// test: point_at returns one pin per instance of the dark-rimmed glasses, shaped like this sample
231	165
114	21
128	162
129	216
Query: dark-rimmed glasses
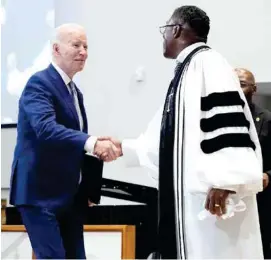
162	29
246	84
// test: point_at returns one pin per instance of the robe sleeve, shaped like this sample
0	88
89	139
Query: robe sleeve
144	151
230	155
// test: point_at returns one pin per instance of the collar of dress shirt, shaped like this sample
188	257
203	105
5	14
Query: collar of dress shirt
63	75
185	52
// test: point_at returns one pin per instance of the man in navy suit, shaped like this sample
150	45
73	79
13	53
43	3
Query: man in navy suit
51	183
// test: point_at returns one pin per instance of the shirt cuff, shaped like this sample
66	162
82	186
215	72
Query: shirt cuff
90	144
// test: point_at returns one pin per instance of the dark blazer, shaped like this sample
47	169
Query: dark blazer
49	153
262	120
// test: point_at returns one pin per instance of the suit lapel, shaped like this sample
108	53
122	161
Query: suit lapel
64	93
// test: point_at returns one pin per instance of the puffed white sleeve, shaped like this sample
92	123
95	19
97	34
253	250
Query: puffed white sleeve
230	155
144	150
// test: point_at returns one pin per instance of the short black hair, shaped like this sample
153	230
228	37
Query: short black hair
196	18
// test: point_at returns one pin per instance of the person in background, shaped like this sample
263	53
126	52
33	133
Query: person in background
262	121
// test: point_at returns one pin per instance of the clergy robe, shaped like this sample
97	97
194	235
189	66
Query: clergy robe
215	145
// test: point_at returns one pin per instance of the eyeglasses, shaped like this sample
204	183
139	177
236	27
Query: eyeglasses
163	28
245	84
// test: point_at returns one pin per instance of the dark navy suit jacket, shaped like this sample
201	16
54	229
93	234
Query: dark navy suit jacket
49	153
262	120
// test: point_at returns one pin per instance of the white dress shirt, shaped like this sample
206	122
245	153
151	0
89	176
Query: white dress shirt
91	141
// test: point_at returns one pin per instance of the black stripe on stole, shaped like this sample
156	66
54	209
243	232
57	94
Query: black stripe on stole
236	119
226	140
218	99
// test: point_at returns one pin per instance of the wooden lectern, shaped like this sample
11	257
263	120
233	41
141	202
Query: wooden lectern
118	241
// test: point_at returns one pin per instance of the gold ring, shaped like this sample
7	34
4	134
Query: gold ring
217	205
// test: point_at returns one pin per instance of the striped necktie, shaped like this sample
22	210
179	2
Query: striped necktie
74	95
72	90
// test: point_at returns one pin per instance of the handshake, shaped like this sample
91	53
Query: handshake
107	148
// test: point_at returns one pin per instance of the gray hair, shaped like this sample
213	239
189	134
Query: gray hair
62	29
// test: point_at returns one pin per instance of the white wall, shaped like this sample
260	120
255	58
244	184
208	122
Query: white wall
124	35
8	141
240	30
115	102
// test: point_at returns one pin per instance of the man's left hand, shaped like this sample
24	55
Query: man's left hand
216	201
265	180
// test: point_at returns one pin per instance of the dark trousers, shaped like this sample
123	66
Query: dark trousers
54	234
264	202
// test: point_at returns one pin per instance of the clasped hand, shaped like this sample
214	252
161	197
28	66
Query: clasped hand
216	201
107	148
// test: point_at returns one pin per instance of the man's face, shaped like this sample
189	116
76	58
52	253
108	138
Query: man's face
247	83
169	40
72	53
